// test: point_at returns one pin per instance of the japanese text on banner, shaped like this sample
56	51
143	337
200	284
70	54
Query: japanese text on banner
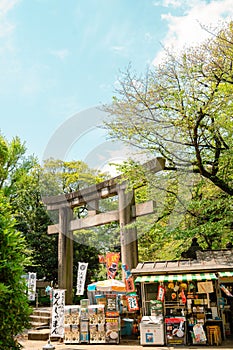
32	286
57	328
81	277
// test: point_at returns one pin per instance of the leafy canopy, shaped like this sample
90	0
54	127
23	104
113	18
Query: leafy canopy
182	110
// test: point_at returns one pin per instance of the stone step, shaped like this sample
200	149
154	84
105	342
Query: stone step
39	325
40	319
42	313
42	334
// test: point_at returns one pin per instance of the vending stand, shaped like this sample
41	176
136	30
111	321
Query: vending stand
99	319
196	296
151	327
94	324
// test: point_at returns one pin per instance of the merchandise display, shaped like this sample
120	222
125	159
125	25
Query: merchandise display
175	330
72	324
84	321
97	323
192	309
112	319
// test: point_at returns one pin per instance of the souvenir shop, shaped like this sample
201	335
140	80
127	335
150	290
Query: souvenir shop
103	322
107	315
186	301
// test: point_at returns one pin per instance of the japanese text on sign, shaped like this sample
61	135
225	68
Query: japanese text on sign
81	277
57	329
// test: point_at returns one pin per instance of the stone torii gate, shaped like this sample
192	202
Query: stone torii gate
90	197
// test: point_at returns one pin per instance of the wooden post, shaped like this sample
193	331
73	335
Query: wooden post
65	253
128	236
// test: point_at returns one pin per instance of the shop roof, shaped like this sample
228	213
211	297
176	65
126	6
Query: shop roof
207	260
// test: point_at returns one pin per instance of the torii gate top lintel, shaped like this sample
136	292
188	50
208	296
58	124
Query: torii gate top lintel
104	189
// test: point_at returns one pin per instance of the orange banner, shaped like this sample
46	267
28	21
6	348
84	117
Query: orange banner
112	260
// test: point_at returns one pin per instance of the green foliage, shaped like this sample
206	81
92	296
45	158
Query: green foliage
186	206
14	307
182	110
60	177
12	163
32	220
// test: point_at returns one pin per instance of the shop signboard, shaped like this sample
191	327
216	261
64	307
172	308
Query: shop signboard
112	330
132	303
58	313
205	287
175	330
112	260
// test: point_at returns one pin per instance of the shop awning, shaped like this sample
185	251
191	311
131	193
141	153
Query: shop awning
177	278
225	274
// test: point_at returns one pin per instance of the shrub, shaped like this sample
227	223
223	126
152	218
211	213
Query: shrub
14	306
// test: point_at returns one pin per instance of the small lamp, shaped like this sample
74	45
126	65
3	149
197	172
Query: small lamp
48	346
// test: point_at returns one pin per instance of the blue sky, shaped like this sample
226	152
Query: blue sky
59	58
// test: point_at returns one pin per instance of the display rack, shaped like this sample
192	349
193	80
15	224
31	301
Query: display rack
72	324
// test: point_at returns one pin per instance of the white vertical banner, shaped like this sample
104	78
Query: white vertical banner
32	286
57	328
81	277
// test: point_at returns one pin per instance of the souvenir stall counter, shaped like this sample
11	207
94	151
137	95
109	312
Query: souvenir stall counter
189	302
94	324
103	317
127	303
197	305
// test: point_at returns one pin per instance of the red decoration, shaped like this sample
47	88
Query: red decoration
101	259
132	302
112	260
161	293
183	297
129	283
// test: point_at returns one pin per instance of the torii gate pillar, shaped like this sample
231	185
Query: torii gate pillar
65	253
128	236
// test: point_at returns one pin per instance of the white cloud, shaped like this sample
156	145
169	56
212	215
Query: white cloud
187	30
5	26
175	3
172	3
7	5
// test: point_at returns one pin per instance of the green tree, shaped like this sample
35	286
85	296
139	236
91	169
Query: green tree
59	177
12	163
182	110
33	220
14	308
19	179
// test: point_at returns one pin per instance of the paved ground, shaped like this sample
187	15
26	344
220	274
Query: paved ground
124	345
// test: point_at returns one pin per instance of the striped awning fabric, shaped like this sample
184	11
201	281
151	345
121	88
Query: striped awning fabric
178	278
225	274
